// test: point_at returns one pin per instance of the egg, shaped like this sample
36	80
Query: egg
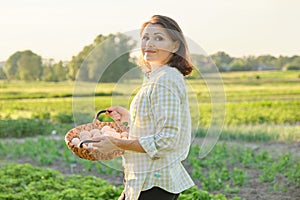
116	135
94	131
107	133
89	146
75	141
84	135
113	130
105	128
110	133
96	135
124	135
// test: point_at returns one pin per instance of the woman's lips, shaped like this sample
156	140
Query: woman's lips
150	51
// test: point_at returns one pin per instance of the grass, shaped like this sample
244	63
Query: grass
257	133
257	110
271	100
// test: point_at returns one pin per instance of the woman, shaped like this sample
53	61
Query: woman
159	117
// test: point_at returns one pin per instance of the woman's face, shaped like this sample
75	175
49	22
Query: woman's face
157	46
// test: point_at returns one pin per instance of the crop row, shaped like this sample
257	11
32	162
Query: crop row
30	182
226	169
19	128
237	113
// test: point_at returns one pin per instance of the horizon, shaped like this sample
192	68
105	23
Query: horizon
56	61
60	30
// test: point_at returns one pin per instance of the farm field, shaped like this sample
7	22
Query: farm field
257	155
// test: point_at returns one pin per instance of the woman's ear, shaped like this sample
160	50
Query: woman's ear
176	46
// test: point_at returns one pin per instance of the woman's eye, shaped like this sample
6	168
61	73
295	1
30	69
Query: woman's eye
145	38
158	38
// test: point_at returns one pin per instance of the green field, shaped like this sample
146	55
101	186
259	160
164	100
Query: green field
258	146
273	100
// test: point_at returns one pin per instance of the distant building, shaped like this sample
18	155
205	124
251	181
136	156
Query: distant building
265	68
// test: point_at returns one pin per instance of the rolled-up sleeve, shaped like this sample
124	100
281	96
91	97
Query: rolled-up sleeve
165	108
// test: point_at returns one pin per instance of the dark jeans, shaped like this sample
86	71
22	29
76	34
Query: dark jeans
155	193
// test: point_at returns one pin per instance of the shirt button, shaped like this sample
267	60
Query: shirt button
157	175
155	158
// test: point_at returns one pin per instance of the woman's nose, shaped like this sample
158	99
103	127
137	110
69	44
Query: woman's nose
149	43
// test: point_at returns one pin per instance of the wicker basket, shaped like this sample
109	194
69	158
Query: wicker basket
92	153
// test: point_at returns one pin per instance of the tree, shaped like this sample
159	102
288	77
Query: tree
2	74
106	60
24	65
267	60
60	72
239	64
11	67
222	60
293	64
203	63
251	63
48	74
291	67
77	61
29	66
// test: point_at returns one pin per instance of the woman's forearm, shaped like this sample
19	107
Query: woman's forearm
131	145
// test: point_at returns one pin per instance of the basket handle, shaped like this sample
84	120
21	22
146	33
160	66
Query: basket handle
86	141
100	112
118	123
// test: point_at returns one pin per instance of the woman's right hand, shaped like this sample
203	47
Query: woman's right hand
118	113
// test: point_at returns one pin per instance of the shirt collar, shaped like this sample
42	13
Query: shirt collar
150	74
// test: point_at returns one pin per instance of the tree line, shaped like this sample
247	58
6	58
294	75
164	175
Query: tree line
253	63
108	58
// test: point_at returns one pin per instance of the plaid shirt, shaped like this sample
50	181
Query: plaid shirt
160	120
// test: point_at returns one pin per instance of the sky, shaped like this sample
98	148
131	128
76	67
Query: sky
59	29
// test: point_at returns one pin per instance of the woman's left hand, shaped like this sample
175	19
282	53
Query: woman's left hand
106	144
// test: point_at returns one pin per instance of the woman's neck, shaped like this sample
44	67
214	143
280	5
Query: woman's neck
154	67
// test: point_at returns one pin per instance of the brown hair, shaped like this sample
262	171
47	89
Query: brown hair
181	58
